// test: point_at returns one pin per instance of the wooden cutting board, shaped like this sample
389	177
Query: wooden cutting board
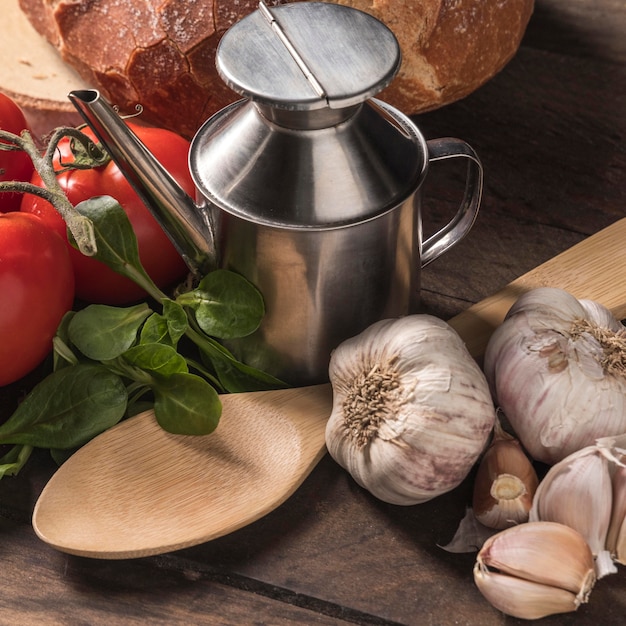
592	270
33	73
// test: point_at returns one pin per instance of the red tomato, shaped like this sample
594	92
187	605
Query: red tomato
14	165
36	290
95	282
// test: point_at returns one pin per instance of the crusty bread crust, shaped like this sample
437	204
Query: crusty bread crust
161	53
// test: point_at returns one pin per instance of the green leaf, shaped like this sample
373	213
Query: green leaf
226	305
185	404
158	358
177	321
116	240
155	330
103	332
235	376
167	328
60	456
62	355
67	408
13	461
63	328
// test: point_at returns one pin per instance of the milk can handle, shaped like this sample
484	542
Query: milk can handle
462	222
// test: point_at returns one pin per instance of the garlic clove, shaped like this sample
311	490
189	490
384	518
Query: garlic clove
616	536
577	492
535	569
508	504
505	483
619	554
523	598
544	552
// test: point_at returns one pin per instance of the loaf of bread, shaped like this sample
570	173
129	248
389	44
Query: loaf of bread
161	53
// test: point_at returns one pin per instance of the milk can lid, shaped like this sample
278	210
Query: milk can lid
308	55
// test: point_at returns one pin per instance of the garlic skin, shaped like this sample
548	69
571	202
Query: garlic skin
578	492
557	368
469	536
412	410
505	483
535	569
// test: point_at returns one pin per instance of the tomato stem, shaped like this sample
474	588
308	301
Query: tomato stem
80	226
24	187
87	154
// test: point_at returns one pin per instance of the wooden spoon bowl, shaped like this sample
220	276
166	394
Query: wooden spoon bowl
137	489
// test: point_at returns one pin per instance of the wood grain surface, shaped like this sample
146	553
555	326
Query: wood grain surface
550	130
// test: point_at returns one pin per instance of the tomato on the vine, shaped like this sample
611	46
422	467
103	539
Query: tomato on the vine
36	290
95	282
14	165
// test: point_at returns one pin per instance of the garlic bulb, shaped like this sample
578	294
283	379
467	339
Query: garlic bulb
411	409
557	368
505	483
535	569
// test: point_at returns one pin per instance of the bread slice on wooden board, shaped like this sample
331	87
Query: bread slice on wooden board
33	73
161	53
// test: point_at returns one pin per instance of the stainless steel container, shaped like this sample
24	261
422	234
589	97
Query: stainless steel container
309	186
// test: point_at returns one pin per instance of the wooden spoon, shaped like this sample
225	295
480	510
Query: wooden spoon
136	490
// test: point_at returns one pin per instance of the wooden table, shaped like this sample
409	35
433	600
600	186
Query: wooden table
550	130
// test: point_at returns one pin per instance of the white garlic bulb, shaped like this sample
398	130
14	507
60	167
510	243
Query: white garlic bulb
557	369
412	410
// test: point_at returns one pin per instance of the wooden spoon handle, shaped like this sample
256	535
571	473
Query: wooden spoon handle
593	269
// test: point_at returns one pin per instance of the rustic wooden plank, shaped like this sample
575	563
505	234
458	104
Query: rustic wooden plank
41	586
580	28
